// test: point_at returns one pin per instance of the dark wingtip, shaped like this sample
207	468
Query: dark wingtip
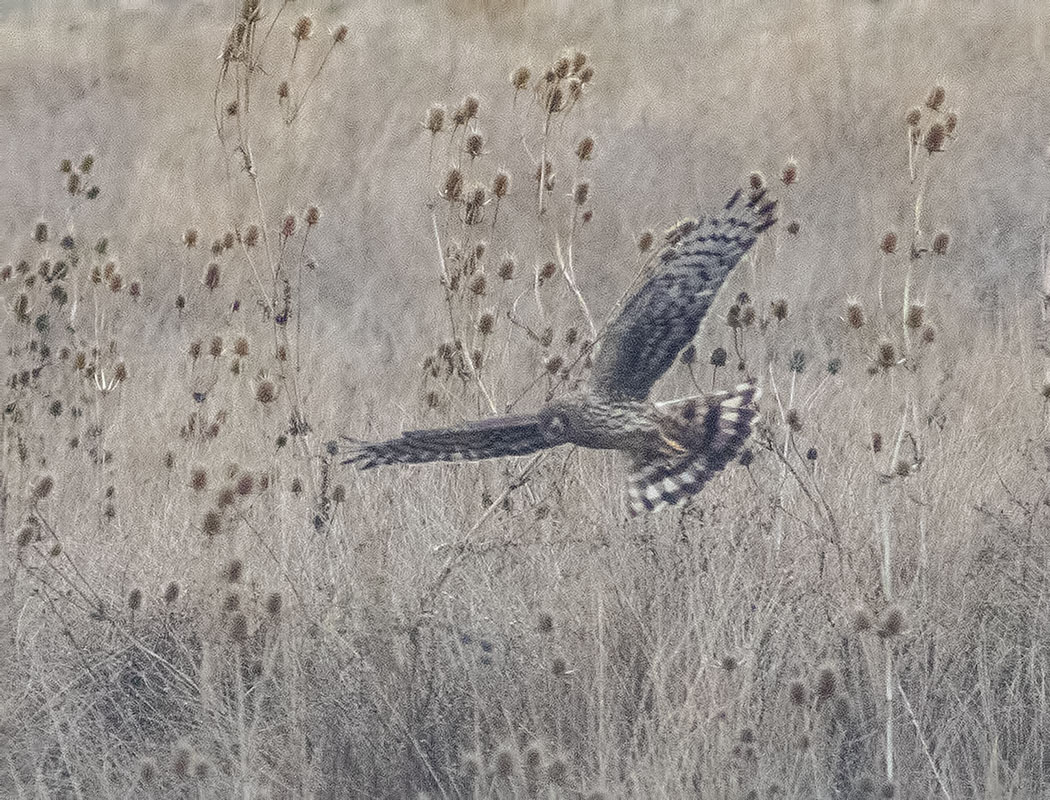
733	200
769	223
768	207
756	198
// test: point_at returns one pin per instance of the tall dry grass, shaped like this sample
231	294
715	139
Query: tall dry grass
199	600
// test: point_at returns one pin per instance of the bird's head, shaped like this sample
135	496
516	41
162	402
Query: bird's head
558	421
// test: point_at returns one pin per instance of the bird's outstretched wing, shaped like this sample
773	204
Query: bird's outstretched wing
704	435
488	438
663	316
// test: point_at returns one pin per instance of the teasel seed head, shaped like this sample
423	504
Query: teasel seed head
876	442
135	599
288	226
486	323
211	524
519	79
888	243
547	271
951	120
915	315
274	601
789	174
453	186
913	117
231	602
478	286
558	666
340	33
794	227
553	364
779	309
892	623
581	192
855	314
933	141
719	356
861	620
434	121
798	693
240	346
886	354
234	571
302	29
313	216
251	236
238	629
504	763
501	183
585	148
935	99
729	663
555	100
941	242
194	351
757	181
182	760
211	277
283	90
265	392
475	145
215	347
171	593
245	484
471	105
793	419
826	682
929	333
645	241
43	486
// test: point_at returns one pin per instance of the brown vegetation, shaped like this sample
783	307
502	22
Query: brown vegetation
396	217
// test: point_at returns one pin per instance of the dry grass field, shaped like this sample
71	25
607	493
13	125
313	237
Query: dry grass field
231	234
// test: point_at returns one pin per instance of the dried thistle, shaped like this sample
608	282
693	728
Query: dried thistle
434	121
888	243
585	148
941	242
933	141
935	99
789	174
519	79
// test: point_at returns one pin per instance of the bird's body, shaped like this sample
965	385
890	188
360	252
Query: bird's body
675	447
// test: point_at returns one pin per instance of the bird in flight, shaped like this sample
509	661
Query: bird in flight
675	447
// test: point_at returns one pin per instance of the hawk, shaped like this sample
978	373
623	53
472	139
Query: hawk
675	447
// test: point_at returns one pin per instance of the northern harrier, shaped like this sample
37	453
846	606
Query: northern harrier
675	447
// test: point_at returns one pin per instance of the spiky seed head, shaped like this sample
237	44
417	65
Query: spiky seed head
929	333
729	663
43	486
283	91
719	357
73	183
789	174
861	619
288	226
558	666
434	121
313	216
501	184
135	599
171	593
251	236
215	347
886	354
779	309
519	79
757	181
575	86
645	241
562	66
547	271
478	286
182	760
581	192
65	165
933	141
793	418
475	145
798	693
912	118
545	623
245	484
914	317
941	242
504	763
273	604
211	277
888	243
147	771
586	75
340	33
302	29
855	314
555	101
471	105
571	335
892	623
826	682
486	323
240	346
266	392
40	233
234	570
453	187
199	479
794	227
585	148
231	602
935	99
339	494
297	486
238	629
747	735
211	524
951	120
506	268
747	315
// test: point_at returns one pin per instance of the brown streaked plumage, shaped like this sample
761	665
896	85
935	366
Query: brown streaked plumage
675	447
